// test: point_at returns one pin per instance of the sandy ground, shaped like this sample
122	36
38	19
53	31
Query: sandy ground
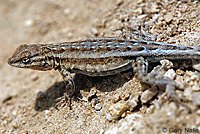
27	99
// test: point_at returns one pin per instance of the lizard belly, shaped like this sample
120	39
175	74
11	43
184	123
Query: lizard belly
103	69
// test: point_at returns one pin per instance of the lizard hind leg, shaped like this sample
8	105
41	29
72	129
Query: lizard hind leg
70	88
140	71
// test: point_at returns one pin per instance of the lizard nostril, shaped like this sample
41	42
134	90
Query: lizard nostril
10	61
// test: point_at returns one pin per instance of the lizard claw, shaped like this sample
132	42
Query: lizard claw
62	101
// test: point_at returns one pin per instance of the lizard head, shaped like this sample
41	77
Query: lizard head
31	56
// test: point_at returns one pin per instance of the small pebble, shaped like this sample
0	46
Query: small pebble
15	125
168	18
198	112
112	131
116	98
98	107
28	22
148	94
34	77
170	73
124	115
117	110
140	17
150	109
196	98
94	101
133	102
67	11
196	66
47	112
125	97
92	94
180	72
24	132
119	2
154	8
94	31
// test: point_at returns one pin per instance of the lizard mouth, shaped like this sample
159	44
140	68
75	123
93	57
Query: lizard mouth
13	63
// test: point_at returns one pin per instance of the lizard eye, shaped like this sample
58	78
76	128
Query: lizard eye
25	60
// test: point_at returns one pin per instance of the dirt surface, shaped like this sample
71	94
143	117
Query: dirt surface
109	104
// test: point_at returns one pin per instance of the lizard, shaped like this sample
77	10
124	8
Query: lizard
103	57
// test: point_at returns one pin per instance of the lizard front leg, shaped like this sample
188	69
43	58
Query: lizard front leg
140	71
70	87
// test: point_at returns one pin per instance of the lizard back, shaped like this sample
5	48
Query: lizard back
98	56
